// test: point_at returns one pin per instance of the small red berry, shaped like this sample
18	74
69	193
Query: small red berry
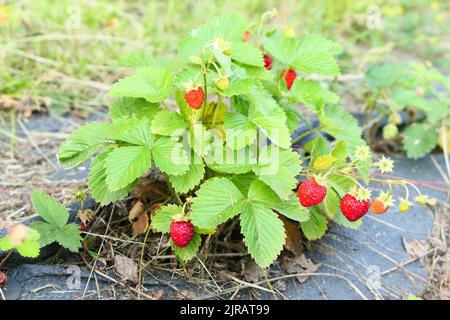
82	227
247	35
289	78
181	233
195	98
268	62
352	208
379	206
311	193
3	279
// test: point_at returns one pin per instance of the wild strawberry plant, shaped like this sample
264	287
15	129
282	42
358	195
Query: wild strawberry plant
218	122
419	92
54	227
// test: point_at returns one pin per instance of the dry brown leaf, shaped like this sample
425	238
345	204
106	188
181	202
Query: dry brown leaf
416	248
251	271
300	264
137	210
293	237
140	225
86	215
126	268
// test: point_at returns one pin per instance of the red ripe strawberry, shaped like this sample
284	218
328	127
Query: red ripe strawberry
181	233
3	279
289	78
352	208
195	98
379	206
268	62
311	193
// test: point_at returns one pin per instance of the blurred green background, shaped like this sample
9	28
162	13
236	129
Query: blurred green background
59	54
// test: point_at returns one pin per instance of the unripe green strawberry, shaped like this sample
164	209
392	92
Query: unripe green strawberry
390	131
222	83
395	118
404	206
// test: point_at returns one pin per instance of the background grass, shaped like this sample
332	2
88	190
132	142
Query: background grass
58	54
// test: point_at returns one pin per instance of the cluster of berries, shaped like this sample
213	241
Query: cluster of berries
195	95
311	193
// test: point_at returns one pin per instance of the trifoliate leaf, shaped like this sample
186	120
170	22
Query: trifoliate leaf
167	122
125	107
278	168
125	164
170	156
264	233
164	216
152	84
419	140
97	183
316	226
83	143
218	200
49	209
190	251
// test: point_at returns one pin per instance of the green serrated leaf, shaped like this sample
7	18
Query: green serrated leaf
152	84
264	233
218	200
97	183
125	107
229	27
339	218
316	226
262	194
246	53
311	94
241	132
278	168
420	139
167	122
331	203
125	164
187	181
134	131
83	143
170	156
164	216
49	209
69	237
